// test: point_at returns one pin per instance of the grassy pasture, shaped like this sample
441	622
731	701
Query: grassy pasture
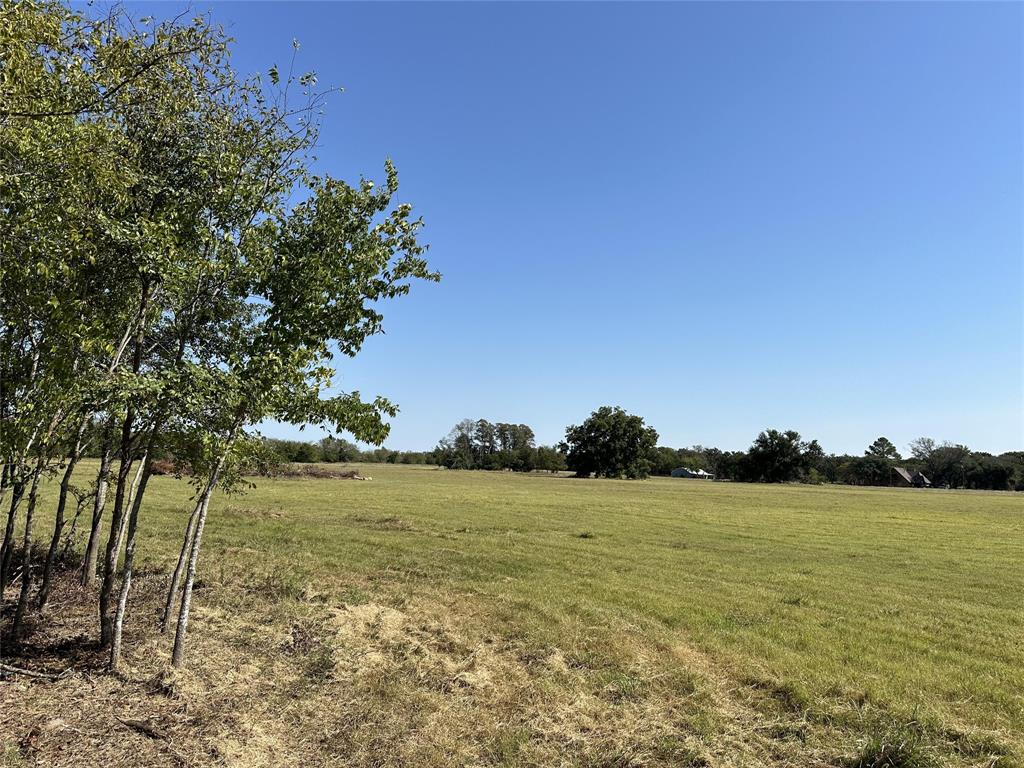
740	624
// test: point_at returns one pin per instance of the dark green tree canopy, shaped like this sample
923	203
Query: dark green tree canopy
610	443
883	448
779	457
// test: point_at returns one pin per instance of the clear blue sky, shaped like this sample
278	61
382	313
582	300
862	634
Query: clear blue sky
721	217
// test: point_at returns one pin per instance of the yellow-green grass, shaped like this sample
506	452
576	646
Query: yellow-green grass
833	599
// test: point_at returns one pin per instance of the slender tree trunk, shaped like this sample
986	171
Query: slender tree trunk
179	570
110	560
121	494
26	575
69	537
93	547
5	479
126	581
178	655
16	466
202	506
123	470
129	555
7	551
58	526
138	486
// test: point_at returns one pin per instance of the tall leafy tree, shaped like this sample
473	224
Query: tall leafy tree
950	464
610	443
776	456
883	448
921	448
316	275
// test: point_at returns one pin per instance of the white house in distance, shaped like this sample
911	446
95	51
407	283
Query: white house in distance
695	474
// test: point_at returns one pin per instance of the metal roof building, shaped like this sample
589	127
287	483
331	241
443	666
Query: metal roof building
696	474
906	478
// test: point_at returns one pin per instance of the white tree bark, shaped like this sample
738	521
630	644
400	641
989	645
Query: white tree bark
179	570
202	507
139	491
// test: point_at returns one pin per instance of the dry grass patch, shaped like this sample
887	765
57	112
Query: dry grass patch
295	677
307	682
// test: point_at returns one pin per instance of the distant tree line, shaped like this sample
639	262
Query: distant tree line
471	444
781	457
335	450
613	443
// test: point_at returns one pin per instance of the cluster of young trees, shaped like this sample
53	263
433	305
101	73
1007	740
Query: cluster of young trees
172	274
479	444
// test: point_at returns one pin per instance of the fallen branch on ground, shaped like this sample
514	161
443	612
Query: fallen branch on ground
7	669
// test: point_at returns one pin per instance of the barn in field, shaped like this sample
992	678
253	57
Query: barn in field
695	474
910	478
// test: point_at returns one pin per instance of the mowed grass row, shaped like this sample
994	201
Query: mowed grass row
912	600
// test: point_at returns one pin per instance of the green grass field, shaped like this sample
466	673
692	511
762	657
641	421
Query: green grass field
705	623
